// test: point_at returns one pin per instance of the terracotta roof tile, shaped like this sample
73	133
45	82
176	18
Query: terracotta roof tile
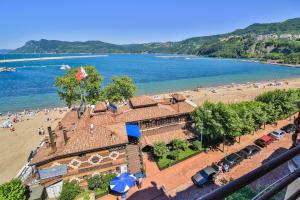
167	136
101	106
142	101
178	97
109	127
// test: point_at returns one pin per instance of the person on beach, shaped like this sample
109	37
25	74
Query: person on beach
40	132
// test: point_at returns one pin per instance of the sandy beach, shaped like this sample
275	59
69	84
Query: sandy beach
16	146
237	92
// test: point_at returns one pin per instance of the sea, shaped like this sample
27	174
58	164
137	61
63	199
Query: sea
31	86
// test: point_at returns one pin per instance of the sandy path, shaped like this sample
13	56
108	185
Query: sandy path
16	146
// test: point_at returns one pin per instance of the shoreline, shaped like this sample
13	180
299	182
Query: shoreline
16	145
49	58
194	92
161	55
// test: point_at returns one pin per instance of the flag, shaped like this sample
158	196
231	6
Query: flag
81	74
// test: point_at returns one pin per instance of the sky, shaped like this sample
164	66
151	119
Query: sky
133	21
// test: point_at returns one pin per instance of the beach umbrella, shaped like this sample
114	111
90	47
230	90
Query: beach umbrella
122	183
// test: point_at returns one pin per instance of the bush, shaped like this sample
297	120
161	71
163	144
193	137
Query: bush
100	181
196	145
174	155
12	190
160	149
95	182
70	190
178	144
243	194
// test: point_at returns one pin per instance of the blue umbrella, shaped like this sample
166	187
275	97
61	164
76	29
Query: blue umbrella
122	183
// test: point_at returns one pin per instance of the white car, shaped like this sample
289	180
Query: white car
277	134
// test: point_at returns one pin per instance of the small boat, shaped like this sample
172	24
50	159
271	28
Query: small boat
8	69
65	67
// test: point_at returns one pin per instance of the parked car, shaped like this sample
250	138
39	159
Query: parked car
278	134
230	161
206	175
249	151
264	141
290	128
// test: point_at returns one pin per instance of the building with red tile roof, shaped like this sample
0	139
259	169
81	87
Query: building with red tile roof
97	141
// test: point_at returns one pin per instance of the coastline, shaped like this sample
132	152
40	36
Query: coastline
50	58
240	92
15	146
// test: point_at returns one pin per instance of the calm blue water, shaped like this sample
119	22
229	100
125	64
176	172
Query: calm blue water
32	85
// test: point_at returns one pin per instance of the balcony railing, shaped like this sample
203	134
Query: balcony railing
233	186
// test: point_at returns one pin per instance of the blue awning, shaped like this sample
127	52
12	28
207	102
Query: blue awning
133	130
53	172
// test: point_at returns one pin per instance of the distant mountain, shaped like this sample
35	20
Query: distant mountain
291	26
256	40
5	50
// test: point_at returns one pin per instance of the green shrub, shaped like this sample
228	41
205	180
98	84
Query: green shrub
106	180
70	191
100	181
12	190
178	144
174	155
160	149
243	194
94	182
196	145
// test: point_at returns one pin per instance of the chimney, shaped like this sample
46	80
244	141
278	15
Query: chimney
65	136
51	137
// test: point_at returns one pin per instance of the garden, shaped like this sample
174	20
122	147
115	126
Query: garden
98	184
178	150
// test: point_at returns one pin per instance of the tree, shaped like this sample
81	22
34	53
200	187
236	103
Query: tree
178	144
13	190
70	191
121	88
69	90
196	145
284	101
160	149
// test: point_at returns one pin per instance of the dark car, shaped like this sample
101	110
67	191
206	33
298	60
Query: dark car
249	151
230	161
289	128
206	175
264	141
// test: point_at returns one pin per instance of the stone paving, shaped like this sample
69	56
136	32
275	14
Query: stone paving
175	182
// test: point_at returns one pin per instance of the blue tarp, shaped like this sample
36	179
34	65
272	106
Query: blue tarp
133	130
53	172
